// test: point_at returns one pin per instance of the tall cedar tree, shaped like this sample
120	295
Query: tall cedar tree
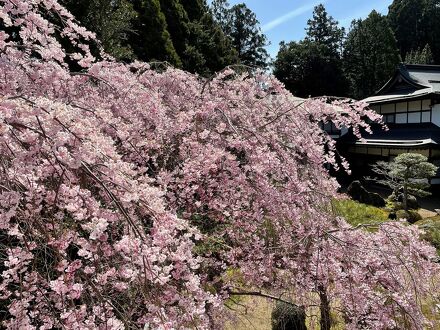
313	66
181	32
177	23
420	56
110	20
432	19
152	41
242	26
415	24
324	30
197	38
370	55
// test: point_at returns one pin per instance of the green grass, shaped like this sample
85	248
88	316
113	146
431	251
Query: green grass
431	226
357	213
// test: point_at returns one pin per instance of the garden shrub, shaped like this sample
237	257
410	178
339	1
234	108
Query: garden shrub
287	316
411	216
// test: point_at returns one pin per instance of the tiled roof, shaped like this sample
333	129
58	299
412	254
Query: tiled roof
398	135
409	81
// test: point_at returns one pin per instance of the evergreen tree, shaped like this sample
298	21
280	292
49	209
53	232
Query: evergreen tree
177	23
431	20
420	56
314	66
406	19
152	41
242	26
408	173
415	24
109	19
370	55
195	9
324	30
207	49
306	70
181	32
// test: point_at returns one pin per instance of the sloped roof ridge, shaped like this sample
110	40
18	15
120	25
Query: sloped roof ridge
422	66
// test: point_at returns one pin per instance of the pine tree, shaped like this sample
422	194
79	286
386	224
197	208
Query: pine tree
408	173
431	20
370	55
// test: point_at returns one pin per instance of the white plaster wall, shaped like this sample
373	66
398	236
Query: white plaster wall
436	114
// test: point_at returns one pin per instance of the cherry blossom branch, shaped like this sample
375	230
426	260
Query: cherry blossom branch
260	294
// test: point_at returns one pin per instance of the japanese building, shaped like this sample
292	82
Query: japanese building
410	105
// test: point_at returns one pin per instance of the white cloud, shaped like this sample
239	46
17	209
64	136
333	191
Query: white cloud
292	14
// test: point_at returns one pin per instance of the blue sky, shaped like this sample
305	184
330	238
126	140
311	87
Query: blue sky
286	19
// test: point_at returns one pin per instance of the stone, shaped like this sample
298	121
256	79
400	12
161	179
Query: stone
412	202
358	193
376	200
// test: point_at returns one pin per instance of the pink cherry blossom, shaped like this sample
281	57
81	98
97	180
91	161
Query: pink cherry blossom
128	197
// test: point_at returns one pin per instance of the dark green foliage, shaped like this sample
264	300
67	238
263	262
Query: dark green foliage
181	32
324	30
370	55
177	23
208	49
313	66
408	174
306	70
195	9
198	40
241	25
111	21
420	56
152	41
406	19
415	24
432	29
357	192
288	317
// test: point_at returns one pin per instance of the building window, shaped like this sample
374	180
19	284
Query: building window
389	119
401	107
375	108
426	116
401	118
415	106
388	108
414	117
426	104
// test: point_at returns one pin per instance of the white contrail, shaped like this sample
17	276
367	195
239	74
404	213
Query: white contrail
294	13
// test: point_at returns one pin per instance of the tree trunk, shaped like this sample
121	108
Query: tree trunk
405	197
324	308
